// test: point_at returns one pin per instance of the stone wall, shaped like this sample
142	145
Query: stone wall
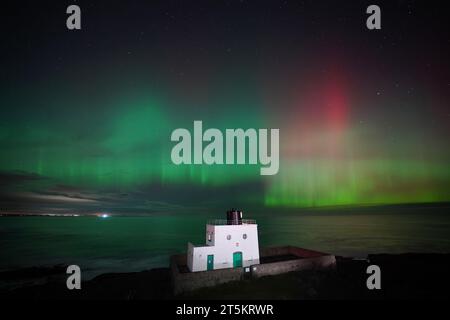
286	250
188	281
274	268
307	259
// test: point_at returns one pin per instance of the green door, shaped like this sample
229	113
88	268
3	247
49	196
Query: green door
210	262
237	259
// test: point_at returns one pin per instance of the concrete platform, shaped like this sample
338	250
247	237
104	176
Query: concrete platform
274	260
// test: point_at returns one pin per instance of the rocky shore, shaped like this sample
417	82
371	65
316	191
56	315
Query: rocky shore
403	276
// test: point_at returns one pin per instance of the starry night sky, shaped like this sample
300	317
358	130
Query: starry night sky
86	116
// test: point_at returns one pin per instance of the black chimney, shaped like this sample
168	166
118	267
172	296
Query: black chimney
234	216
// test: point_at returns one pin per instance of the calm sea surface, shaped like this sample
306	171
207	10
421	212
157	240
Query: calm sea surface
125	244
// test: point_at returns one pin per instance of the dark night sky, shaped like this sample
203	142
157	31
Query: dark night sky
86	115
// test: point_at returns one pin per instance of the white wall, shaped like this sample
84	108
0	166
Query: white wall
199	255
223	249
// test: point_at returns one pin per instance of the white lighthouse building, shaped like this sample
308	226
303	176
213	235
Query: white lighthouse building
230	243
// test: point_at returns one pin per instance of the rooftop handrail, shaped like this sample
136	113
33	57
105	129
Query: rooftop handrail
223	222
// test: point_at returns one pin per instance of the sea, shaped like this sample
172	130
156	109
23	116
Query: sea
135	243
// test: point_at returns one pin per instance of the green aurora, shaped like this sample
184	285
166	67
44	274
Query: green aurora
85	120
129	146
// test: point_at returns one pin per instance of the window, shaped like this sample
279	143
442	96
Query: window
228	237
244	236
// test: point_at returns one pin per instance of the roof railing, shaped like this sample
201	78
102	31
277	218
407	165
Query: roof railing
224	222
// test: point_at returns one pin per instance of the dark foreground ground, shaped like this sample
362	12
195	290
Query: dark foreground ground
406	276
